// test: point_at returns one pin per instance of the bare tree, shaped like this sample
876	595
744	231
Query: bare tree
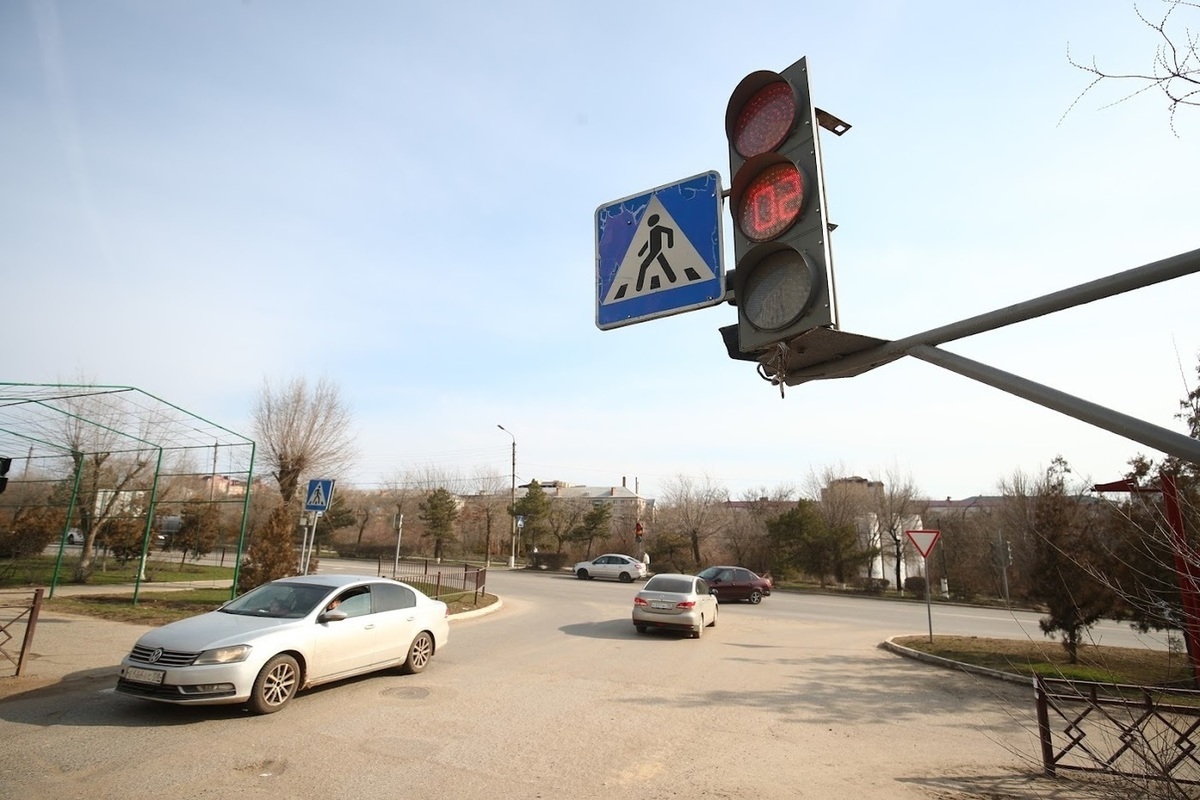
745	535
1175	70
565	518
694	507
898	505
847	503
485	523
301	431
113	467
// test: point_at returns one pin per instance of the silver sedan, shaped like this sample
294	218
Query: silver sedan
287	635
678	602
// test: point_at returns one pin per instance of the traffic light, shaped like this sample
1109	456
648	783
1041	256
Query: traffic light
783	279
5	463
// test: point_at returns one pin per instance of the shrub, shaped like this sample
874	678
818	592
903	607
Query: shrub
915	584
872	585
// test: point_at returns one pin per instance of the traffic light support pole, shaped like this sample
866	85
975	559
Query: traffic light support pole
856	363
922	346
1170	442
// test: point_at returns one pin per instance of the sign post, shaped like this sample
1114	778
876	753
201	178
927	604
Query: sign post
399	529
316	502
924	542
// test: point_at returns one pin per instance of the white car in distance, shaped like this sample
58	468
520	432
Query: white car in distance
615	566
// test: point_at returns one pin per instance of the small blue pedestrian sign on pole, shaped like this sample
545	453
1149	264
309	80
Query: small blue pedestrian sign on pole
659	252
320	494
520	521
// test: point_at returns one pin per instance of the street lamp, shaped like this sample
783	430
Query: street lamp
512	557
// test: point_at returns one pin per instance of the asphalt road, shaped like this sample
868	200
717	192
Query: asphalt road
555	695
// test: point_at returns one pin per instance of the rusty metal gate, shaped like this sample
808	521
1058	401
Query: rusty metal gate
1134	732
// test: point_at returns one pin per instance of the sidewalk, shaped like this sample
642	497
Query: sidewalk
71	649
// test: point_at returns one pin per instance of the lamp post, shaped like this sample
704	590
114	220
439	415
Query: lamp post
512	557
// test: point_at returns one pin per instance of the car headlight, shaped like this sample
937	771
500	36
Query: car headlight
224	655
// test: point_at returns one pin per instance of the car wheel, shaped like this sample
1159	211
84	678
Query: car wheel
626	577
418	654
640	628
275	685
582	575
713	624
755	597
698	631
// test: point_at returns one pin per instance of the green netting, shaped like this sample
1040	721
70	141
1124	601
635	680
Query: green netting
124	474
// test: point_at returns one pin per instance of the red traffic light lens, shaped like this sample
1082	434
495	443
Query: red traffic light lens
765	120
771	202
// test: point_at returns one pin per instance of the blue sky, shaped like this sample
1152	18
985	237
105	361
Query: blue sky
400	197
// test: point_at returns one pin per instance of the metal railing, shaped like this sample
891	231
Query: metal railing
1135	732
441	580
17	611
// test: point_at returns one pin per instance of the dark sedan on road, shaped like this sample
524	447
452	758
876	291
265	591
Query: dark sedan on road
736	583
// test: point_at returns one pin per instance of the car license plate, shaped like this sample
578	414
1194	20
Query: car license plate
661	604
139	675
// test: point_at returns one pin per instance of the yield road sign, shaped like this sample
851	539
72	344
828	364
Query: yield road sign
923	541
320	494
659	252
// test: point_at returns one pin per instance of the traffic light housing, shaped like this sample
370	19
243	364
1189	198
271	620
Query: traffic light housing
783	278
5	463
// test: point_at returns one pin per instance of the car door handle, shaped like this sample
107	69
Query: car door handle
368	626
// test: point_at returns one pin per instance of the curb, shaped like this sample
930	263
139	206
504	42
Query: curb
479	612
938	661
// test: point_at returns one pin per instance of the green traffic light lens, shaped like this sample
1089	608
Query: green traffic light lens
779	289
771	203
765	120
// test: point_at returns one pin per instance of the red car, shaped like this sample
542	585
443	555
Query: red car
736	583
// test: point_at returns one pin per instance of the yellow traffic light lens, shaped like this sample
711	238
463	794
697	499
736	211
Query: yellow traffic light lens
771	202
766	119
778	290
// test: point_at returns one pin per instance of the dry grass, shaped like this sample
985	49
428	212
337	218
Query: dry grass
1135	666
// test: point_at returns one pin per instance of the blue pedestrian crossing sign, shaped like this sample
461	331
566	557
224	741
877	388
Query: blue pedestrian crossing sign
320	494
659	252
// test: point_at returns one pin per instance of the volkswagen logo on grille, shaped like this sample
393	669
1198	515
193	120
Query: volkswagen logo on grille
155	655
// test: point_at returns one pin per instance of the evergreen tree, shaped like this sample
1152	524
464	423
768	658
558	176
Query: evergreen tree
1065	563
596	525
804	543
438	511
535	508
198	530
272	555
335	518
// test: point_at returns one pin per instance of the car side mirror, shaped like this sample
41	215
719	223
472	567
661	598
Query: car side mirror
332	615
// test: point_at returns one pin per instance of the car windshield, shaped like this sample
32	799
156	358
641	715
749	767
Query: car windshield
279	600
667	583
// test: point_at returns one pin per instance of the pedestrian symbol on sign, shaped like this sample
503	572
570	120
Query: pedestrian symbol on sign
655	264
320	494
